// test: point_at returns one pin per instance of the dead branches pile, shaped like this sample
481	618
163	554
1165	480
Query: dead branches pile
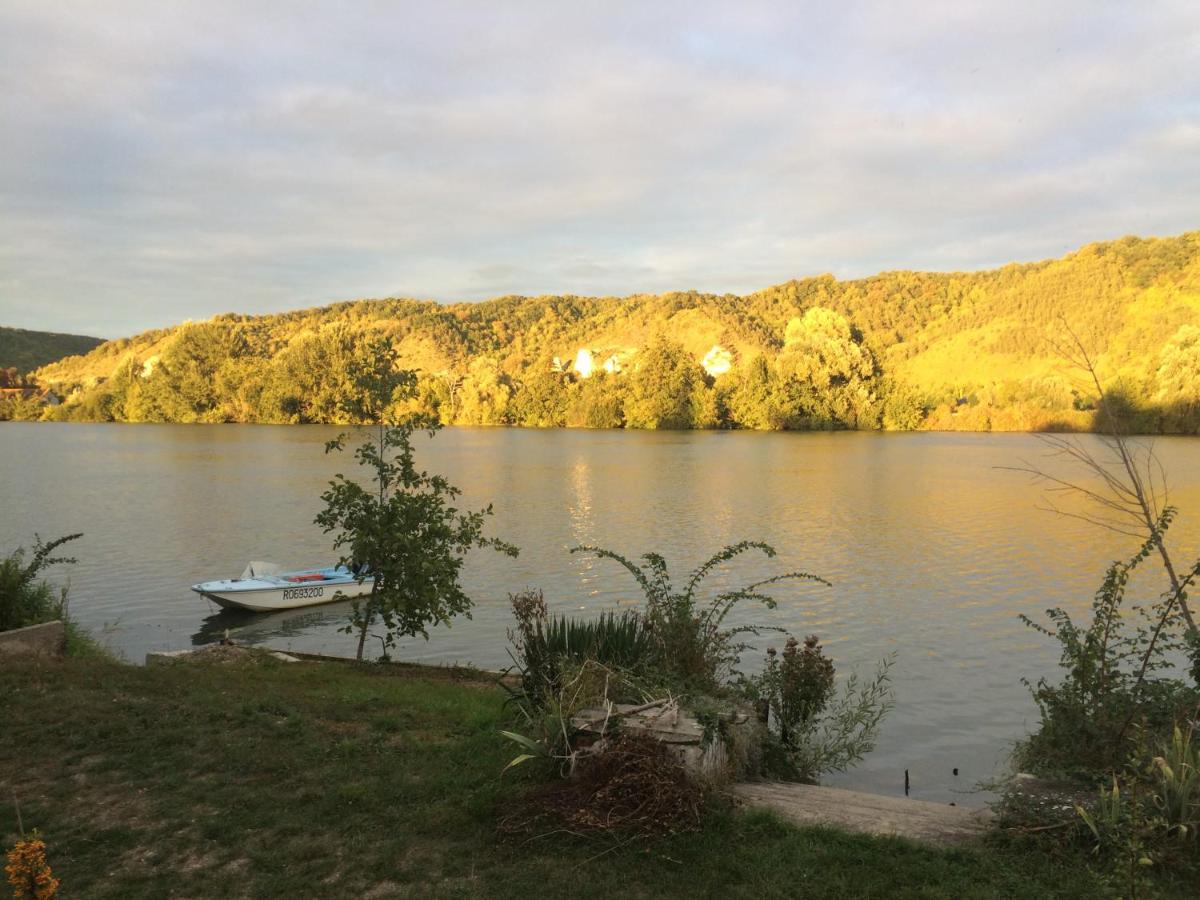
635	787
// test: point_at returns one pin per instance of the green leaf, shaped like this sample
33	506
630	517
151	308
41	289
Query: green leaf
523	741
516	761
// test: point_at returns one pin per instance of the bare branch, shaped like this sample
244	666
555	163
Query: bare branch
1132	491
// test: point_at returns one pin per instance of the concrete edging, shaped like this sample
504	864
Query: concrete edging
46	639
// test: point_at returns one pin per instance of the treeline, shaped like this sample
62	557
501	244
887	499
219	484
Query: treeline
28	350
823	376
897	350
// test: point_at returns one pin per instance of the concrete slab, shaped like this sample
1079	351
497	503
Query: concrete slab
919	820
49	639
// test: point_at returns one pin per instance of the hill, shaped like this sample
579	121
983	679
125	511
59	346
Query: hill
896	350
28	350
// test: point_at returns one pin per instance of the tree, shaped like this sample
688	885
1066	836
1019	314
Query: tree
1129	487
660	391
754	397
405	532
830	373
484	394
597	402
1178	375
541	400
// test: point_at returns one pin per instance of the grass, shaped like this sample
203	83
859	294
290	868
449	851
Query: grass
274	779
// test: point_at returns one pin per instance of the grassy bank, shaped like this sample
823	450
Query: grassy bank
275	779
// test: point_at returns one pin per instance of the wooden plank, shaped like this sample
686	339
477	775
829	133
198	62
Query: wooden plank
918	820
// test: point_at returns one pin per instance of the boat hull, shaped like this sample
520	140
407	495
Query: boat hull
256	596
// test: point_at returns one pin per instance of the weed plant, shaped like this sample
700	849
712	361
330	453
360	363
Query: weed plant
1119	669
25	599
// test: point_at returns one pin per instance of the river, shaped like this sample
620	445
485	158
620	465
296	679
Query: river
932	547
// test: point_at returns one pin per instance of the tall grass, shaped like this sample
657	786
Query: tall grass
543	644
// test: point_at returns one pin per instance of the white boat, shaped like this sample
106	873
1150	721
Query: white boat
263	587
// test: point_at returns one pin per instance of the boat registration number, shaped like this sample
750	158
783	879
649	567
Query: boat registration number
306	593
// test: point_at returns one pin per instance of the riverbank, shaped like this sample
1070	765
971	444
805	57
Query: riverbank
270	778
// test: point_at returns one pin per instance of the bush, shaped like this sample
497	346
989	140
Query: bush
25	600
809	732
678	647
796	686
689	646
1148	812
1117	674
543	646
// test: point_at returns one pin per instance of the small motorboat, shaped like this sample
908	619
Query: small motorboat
263	587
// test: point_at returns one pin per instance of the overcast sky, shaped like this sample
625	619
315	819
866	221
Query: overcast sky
163	161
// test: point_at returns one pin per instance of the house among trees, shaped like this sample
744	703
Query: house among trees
43	397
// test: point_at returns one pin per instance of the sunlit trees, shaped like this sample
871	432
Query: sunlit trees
833	353
754	398
597	402
662	387
484	394
830	374
1178	375
541	399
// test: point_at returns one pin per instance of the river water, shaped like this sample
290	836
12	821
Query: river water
933	549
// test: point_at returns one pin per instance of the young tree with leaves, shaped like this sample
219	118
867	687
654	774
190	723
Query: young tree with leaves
404	532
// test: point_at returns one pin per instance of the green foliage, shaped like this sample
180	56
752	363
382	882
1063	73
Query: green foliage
902	408
896	350
661	390
24	599
1178	374
544	646
796	684
542	400
690	645
812	730
1148	812
597	402
28	350
1116	672
411	810
405	531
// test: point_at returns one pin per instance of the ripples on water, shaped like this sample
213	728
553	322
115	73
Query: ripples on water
933	551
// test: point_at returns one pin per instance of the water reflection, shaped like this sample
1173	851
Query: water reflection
246	627
932	550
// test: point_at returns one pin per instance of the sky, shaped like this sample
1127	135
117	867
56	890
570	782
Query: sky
168	161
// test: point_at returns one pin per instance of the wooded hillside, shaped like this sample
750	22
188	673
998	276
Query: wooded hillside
896	350
27	350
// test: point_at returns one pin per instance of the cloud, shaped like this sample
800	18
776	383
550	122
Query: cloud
171	161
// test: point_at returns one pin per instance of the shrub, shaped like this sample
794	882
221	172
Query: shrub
810	732
27	870
25	600
797	684
1116	674
689	645
1148	812
678	647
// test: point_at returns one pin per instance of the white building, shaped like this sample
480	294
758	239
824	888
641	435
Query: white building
717	361
585	363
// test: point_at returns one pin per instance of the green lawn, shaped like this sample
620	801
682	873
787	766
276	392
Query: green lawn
330	780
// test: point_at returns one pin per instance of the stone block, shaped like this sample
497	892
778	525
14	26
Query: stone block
48	639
